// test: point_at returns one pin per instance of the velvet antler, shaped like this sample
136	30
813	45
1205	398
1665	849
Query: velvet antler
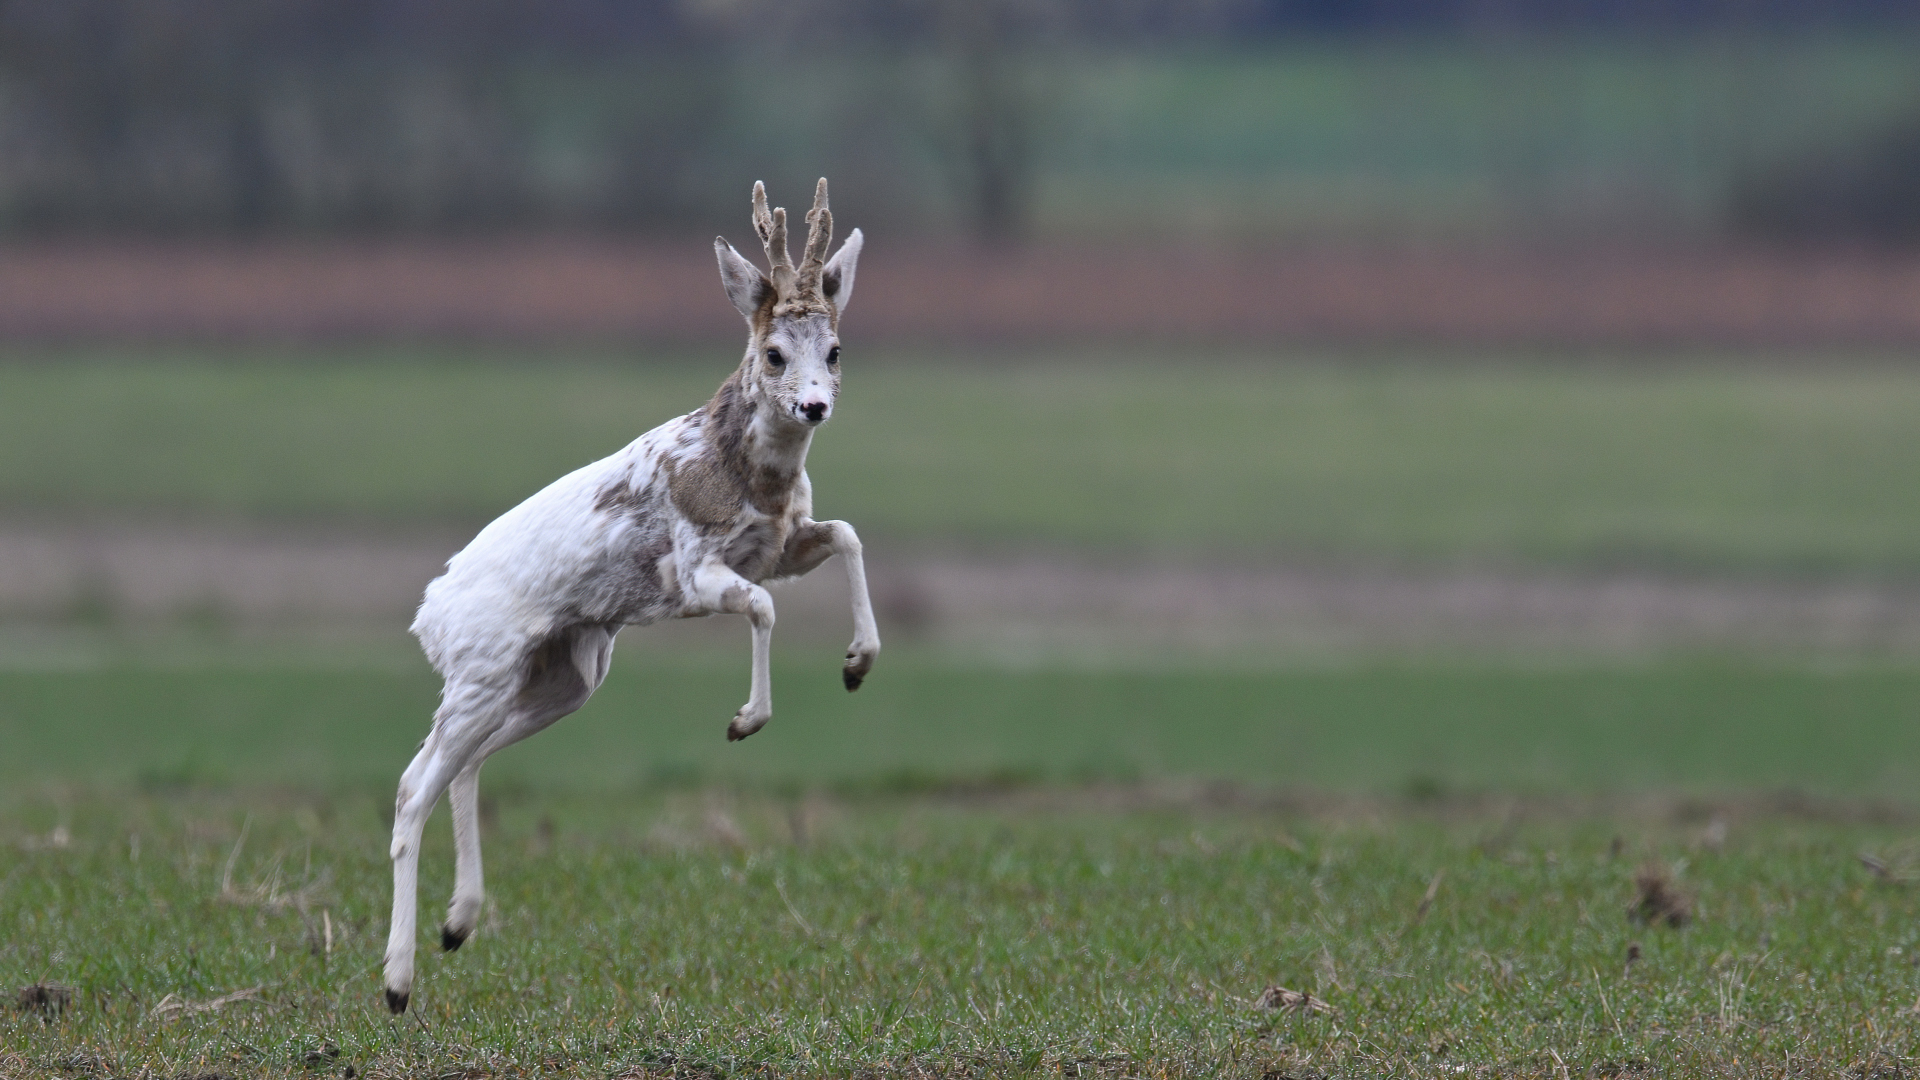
772	227
819	239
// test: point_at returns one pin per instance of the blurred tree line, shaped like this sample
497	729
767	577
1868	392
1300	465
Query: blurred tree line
247	116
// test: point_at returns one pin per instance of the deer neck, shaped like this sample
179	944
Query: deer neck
754	439
775	444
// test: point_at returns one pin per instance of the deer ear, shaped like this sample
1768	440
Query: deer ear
836	281
746	286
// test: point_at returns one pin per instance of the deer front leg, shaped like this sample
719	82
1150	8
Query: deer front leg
717	588
811	545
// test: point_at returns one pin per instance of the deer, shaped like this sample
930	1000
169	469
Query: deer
693	518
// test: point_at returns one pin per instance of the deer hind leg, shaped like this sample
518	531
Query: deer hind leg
463	914
440	758
562	673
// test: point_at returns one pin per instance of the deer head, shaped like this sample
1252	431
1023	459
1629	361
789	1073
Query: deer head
793	314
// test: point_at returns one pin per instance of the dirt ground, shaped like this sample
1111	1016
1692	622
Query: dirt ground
591	290
248	578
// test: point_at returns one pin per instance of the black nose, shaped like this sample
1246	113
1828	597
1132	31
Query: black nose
815	411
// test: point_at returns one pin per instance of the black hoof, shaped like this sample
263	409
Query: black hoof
451	939
734	734
396	1003
852	680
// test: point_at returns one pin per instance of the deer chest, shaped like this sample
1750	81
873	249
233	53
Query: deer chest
754	550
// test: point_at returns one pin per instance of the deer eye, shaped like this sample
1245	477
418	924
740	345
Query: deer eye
774	359
833	355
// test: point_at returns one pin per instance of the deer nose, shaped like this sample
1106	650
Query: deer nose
814	411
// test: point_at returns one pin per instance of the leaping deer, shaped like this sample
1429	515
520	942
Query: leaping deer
688	520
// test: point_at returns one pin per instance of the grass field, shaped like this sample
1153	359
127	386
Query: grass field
709	937
923	721
977	872
1713	466
971	868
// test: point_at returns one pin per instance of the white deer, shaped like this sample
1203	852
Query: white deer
688	520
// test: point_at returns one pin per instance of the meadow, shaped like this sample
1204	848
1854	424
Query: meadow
1801	464
1475	865
708	936
1711	729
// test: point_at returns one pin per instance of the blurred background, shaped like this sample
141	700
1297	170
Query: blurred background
1493	395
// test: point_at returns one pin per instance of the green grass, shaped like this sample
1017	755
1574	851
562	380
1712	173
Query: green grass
707	937
799	904
1778	468
920	721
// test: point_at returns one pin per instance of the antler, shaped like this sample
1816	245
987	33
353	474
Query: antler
772	227
798	288
819	239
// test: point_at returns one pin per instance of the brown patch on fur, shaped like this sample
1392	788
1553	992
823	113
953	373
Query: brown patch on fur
725	419
768	300
619	495
1658	900
755	553
615	496
804	550
646	565
802	307
729	473
706	493
771	489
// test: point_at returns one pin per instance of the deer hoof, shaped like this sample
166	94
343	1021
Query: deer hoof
859	663
396	1001
451	939
741	727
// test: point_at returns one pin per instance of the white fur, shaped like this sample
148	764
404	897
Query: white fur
521	625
